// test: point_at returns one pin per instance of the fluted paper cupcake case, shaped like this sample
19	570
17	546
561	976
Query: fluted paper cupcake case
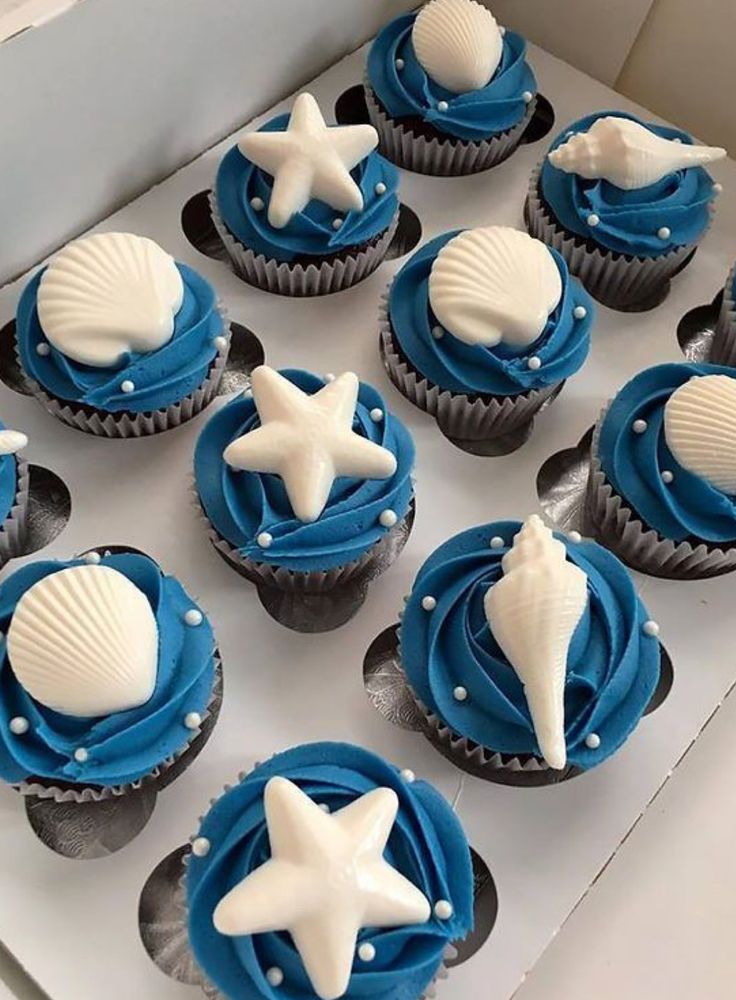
65	792
618	528
449	157
458	415
295	280
617	280
723	349
14	527
132	425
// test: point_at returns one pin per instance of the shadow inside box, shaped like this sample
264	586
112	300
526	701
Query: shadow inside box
696	330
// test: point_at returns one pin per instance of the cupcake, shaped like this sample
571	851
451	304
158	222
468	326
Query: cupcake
108	673
304	208
625	202
448	90
530	655
327	873
662	486
117	338
14	494
723	349
305	485
481	328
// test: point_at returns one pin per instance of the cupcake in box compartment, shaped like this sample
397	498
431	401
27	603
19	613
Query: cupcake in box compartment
303	208
448	90
723	351
662	486
117	338
14	494
625	202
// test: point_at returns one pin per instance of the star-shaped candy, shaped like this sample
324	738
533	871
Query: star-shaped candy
327	878
310	160
307	440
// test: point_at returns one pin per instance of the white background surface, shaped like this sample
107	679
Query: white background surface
74	925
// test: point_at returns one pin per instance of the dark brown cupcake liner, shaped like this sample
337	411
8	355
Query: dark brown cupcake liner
723	348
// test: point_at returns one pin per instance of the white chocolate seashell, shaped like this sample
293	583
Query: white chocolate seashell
628	154
105	295
533	611
700	429
84	642
12	442
494	284
457	43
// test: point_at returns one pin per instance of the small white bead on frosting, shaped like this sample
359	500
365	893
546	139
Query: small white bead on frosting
650	628
527	96
575	536
274	976
376	414
717	188
193	617
429	603
200	847
534	363
664	233
399	64
668	477
460	693
337	223
19	725
437	332
366	952
388	518
639	426
127	385
257	204
592	741
443	909
220	343
408	775
580	312
593	219
92	558
380	188
442	106
43	349
81	755
264	539
192	720
497	542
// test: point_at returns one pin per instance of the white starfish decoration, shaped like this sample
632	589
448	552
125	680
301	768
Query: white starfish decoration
307	440
310	160
326	879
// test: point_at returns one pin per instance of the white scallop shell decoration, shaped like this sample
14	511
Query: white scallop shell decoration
457	43
107	294
494	284
12	442
533	611
84	642
627	154
700	429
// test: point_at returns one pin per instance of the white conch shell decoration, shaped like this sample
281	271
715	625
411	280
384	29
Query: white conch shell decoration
700	429
533	611
494	284
84	642
457	43
628	154
105	295
12	442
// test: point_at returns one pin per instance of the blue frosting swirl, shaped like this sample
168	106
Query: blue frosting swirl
502	370
161	377
688	507
309	232
427	845
242	504
475	115
612	666
123	746
630	221
8	482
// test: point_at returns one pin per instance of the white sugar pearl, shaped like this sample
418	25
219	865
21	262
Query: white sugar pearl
329	377
257	204
664	233
200	847
399	64
442	106
324	807
92	558
667	476
429	603
264	539
193	720
497	542
193	617
575	536
220	343
127	385
380	188
580	312
274	976
337	223
437	332
650	628
592	741
717	188
639	426
388	518
43	349
377	415
366	952
408	775
19	725
527	96
534	363
460	693
81	755
593	219
443	909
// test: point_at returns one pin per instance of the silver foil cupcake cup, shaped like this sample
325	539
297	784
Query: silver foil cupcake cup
723	348
295	280
317	601
441	157
465	420
616	526
133	425
14	528
618	281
